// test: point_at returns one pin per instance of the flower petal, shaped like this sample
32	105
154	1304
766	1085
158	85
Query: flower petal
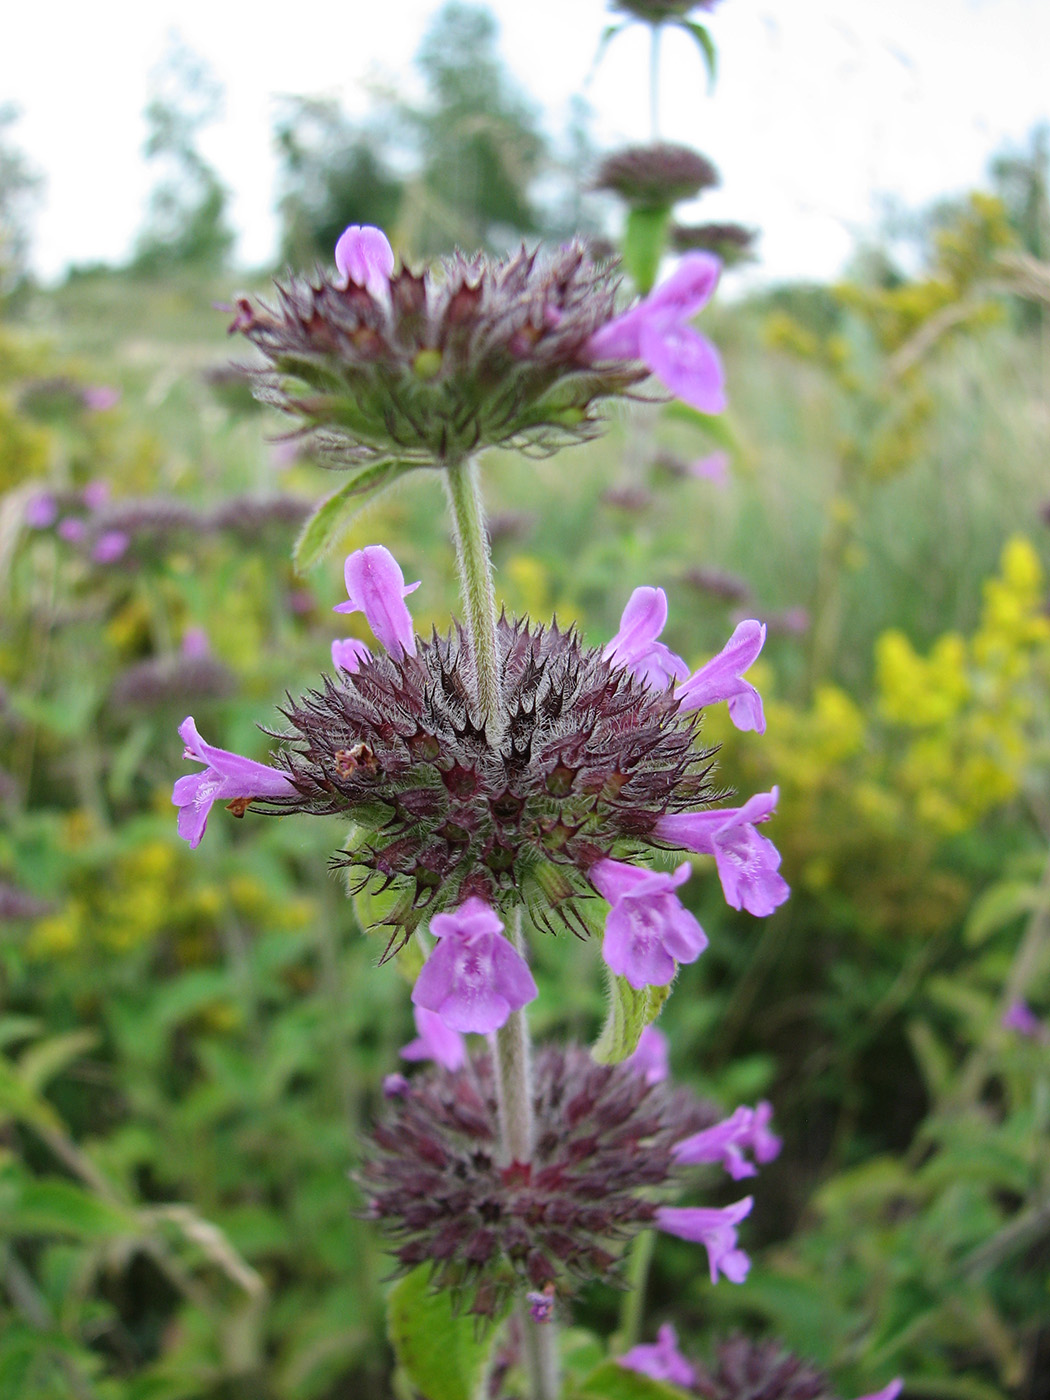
687	363
376	586
364	256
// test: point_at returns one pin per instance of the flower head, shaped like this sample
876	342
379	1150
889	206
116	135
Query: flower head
715	1230
376	586
474	978
1020	1017
743	1369
748	864
384	364
226	776
729	243
648	932
41	511
657	175
662	1361
436	1186
657	332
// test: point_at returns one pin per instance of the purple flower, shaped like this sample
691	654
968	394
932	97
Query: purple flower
226	776
1020	1017
721	679
746	1130
71	529
435	1041
647	931
650	1057
474	978
888	1392
364	256
195	644
395	1086
100	397
95	494
656	331
714	468
661	1361
347	655
376	587
41	511
715	1230
635	646
747	863
109	546
541	1304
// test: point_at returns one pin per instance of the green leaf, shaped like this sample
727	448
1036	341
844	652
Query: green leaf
643	244
43	1061
333	517
608	34
442	1353
56	1207
1000	905
611	1381
707	48
630	1011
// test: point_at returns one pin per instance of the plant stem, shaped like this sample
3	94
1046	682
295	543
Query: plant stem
475	578
632	1305
513	1049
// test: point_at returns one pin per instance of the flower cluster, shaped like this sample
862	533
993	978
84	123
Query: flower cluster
593	765
652	177
383	364
604	1167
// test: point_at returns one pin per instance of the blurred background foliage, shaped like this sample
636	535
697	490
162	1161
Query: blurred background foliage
192	1042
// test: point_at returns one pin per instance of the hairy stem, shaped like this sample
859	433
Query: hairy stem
475	579
632	1305
654	82
514	1074
541	1356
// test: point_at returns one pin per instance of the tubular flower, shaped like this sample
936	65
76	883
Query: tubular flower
635	645
661	1361
745	1130
349	653
721	678
474	978
715	1230
657	332
651	1056
376	586
384	365
434	1182
747	864
435	1041
226	776
648	932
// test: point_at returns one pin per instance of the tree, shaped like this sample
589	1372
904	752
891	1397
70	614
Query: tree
19	188
187	223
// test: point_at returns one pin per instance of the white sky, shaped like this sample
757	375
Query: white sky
822	107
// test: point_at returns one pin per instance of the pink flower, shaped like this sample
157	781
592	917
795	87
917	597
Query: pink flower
746	1130
226	776
435	1041
647	931
650	1057
541	1303
715	1230
747	863
714	468
71	529
1020	1017
376	586
41	511
109	546
721	679
661	1361
95	494
195	644
347	655
656	331
635	646
364	256
100	397
474	978
888	1392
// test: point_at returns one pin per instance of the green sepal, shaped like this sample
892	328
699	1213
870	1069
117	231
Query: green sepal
707	47
630	1011
644	241
333	517
442	1353
611	1381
